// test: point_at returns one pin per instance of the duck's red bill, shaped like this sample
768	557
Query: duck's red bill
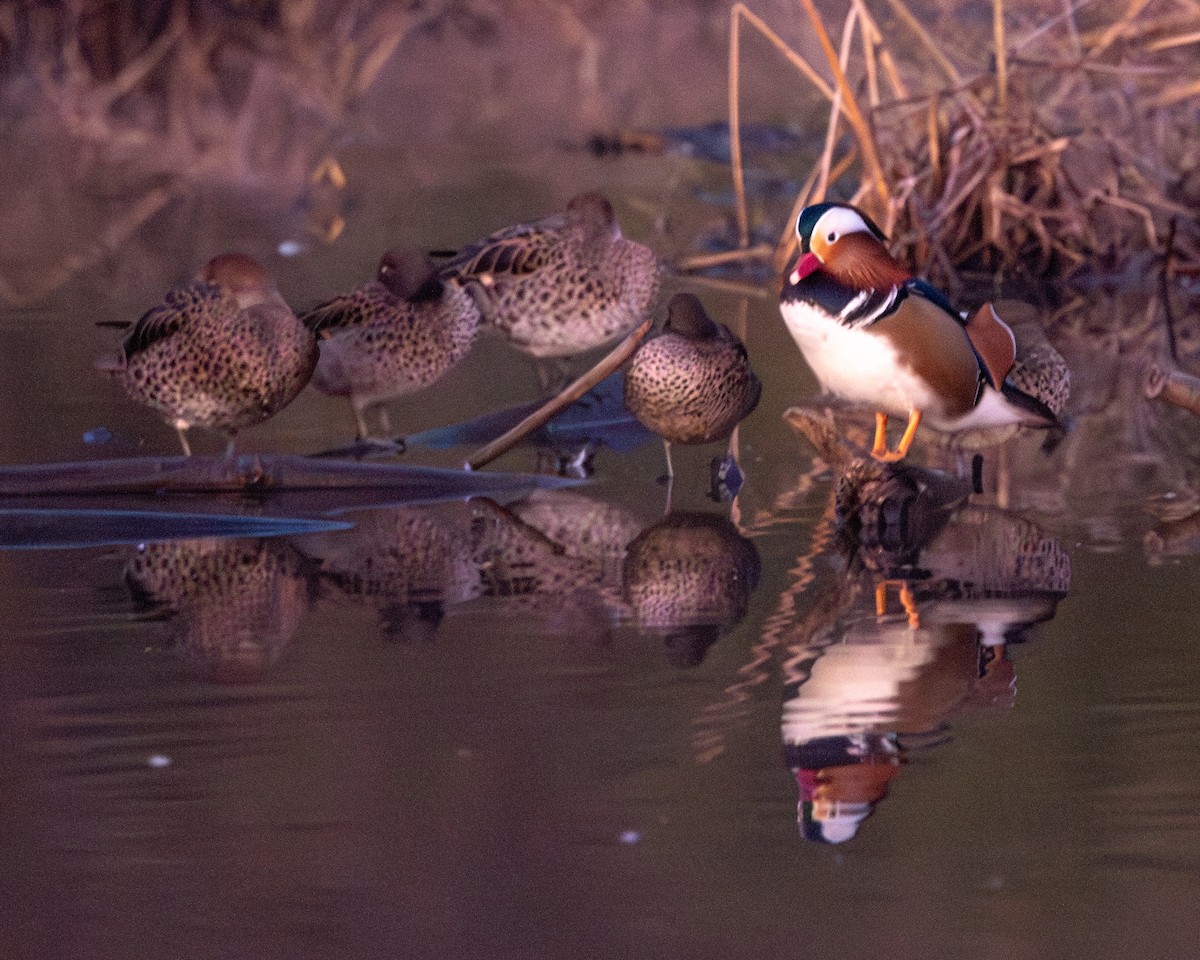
806	265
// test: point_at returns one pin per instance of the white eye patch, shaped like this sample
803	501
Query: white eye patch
838	221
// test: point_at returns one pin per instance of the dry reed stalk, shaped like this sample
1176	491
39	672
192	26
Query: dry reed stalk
610	363
1168	43
703	261
1174	387
739	12
1026	167
822	185
1113	32
1001	57
849	105
906	17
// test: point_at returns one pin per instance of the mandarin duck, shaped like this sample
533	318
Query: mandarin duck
692	383
876	335
224	352
393	336
563	284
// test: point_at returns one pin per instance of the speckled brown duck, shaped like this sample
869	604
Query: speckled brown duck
693	382
563	284
224	352
688	578
393	336
233	605
410	564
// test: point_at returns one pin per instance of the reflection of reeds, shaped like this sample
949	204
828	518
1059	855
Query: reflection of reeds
208	90
132	106
1075	144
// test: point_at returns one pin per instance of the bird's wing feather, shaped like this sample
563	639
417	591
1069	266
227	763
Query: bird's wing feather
511	253
923	288
160	322
352	309
994	343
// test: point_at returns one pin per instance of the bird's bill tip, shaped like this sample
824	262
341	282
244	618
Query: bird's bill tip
806	265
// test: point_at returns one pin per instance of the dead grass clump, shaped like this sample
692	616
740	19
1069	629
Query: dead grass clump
1076	146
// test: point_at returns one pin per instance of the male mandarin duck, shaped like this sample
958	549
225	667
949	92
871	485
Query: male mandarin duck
878	336
563	284
224	352
393	336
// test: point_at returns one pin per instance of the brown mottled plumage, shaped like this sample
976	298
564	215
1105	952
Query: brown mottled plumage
234	604
393	336
693	382
224	352
687	578
563	284
409	563
551	586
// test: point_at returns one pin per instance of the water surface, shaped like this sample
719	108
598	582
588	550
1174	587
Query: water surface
560	725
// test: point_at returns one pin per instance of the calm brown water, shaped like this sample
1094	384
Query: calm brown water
514	730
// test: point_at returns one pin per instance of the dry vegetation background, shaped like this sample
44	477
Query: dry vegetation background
1029	139
1043	138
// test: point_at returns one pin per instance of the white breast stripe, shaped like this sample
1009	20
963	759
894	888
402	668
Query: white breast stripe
868	306
852	307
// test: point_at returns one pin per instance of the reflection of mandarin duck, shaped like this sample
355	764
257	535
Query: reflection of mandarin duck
863	689
224	352
563	284
393	336
869	680
840	781
410	563
688	578
692	383
233	604
877	336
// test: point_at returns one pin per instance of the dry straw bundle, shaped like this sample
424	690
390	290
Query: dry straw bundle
1079	143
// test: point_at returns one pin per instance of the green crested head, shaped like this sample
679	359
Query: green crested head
810	216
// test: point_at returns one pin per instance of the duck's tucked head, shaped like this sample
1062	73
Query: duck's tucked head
241	275
592	212
846	243
409	274
686	317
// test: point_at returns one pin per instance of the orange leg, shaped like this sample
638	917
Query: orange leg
881	597
880	451
907	601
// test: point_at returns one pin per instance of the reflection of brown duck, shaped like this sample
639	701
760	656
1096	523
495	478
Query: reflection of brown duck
410	563
554	586
234	604
391	337
584	526
693	382
224	352
688	578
